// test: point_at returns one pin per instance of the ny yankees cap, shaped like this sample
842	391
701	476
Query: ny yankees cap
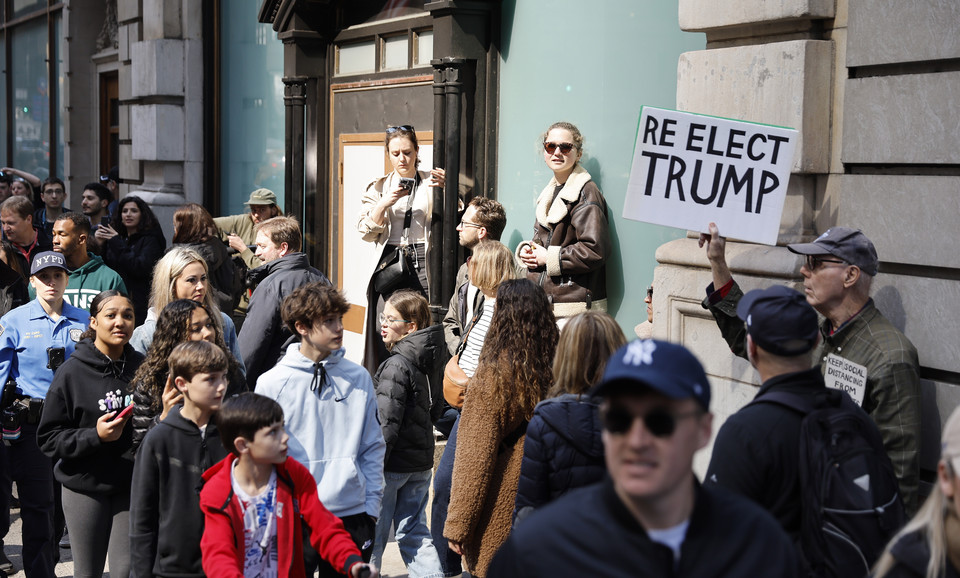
662	366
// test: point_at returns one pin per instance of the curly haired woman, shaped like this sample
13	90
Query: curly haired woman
513	376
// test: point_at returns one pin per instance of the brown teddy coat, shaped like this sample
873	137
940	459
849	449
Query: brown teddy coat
486	472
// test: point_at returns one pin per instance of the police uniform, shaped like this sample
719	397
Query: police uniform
26	333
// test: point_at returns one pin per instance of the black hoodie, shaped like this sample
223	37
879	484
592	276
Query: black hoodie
166	523
87	386
408	383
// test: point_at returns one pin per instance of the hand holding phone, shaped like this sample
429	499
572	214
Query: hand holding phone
105	221
126	411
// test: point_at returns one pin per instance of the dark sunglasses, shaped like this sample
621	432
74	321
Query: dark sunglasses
402	127
650	292
813	262
659	422
564	147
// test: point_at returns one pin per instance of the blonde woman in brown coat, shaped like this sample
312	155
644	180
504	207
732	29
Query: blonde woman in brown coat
513	376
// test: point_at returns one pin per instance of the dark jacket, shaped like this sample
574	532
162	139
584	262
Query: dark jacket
220	270
87	386
572	225
912	554
563	451
146	410
263	333
590	532
757	450
409	383
133	258
166	523
13	289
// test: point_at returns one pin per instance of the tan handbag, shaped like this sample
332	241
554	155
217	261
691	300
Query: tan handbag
454	383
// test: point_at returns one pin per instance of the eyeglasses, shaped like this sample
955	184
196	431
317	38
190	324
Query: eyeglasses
659	422
402	127
54	192
384	320
813	262
565	147
650	292
469	224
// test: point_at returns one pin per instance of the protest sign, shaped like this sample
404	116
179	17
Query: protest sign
690	169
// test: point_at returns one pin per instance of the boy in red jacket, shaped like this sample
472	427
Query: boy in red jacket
253	502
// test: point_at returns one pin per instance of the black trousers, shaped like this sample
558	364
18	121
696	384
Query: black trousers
33	472
361	528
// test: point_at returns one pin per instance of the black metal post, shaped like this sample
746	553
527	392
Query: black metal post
437	305
294	101
453	91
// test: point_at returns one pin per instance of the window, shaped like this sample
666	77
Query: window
394	53
423	48
356	58
31	98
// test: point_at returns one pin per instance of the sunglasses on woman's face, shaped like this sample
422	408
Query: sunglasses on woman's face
659	422
402	127
564	147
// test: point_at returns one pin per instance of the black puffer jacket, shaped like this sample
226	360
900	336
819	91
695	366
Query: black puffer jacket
563	451
405	383
133	258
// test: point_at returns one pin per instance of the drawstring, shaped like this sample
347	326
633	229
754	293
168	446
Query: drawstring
318	372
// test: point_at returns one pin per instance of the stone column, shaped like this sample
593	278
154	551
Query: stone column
161	94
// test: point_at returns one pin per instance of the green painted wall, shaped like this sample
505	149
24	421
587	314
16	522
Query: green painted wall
593	64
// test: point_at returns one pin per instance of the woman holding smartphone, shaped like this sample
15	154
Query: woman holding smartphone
84	428
384	221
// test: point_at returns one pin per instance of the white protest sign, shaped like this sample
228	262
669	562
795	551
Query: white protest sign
847	376
690	169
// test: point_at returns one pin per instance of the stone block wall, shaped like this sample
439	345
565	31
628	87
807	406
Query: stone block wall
161	103
871	86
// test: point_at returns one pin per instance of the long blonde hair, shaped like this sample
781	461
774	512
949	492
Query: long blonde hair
165	274
930	521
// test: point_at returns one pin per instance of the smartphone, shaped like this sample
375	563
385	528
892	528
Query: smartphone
408	184
105	220
126	411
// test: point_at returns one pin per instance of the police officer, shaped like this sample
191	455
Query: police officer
34	340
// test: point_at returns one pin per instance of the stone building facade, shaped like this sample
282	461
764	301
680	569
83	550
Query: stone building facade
872	87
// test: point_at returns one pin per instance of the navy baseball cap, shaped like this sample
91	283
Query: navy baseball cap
47	259
662	366
779	320
849	245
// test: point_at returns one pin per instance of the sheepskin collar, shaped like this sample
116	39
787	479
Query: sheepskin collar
549	214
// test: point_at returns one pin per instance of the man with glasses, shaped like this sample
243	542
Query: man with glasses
860	346
650	516
484	219
53	193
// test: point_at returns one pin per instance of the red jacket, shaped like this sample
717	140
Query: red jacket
222	542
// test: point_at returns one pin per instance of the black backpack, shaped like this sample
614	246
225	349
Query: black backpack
851	503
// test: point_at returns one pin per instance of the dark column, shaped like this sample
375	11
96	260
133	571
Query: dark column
437	304
294	100
450	72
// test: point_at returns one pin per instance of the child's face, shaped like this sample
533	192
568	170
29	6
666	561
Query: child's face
205	390
269	444
324	336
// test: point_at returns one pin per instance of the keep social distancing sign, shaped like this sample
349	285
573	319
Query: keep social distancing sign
691	169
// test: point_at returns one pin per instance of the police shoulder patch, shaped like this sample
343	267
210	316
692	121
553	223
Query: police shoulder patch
75	334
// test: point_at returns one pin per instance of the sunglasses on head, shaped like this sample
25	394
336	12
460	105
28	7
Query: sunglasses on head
659	422
402	127
564	147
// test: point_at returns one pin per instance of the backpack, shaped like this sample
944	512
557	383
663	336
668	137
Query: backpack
851	503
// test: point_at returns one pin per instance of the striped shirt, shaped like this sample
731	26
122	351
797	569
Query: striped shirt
470	358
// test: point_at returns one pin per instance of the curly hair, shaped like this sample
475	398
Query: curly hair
173	328
517	355
586	343
147	219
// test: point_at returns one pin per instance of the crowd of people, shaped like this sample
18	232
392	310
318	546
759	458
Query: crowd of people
189	410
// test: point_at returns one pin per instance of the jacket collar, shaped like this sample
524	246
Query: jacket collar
550	210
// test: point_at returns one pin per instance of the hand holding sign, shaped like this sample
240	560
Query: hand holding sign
691	169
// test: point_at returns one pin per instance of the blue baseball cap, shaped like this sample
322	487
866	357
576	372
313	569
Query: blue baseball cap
779	320
662	366
848	245
46	259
